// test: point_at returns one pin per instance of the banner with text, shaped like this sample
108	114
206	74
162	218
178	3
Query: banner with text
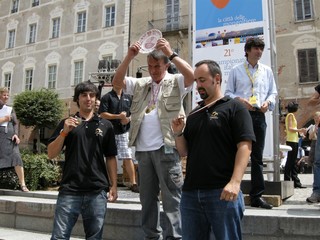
221	28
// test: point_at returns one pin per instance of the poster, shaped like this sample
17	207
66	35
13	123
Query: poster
221	28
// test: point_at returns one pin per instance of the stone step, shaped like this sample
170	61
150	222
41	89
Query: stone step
123	220
291	218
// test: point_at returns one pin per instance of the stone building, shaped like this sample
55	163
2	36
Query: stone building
297	43
56	44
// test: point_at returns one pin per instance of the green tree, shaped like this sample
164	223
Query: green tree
38	108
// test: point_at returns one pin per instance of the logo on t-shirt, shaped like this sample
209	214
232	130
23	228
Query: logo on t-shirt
99	132
214	115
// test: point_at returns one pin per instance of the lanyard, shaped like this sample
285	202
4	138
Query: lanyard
252	78
206	106
155	89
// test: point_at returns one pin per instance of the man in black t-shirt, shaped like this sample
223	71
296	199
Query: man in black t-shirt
216	139
115	106
90	169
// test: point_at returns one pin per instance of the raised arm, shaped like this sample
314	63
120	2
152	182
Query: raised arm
119	77
184	68
55	147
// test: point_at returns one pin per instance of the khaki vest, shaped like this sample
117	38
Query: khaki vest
169	106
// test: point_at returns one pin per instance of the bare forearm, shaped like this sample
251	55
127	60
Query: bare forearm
181	145
5	119
55	147
241	161
118	79
185	69
110	116
112	170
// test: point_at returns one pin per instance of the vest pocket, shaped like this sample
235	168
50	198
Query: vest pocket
172	103
135	106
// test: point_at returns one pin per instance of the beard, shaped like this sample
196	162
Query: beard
203	93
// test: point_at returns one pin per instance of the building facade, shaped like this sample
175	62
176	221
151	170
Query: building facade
57	44
297	43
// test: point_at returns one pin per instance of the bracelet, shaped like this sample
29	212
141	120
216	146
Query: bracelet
63	134
177	134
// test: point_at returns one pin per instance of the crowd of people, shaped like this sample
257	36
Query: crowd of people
218	138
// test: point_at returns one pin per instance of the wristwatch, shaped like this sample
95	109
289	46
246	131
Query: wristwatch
173	55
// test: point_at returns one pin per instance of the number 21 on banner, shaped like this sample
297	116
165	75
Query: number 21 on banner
228	52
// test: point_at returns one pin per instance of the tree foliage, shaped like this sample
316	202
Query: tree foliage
38	108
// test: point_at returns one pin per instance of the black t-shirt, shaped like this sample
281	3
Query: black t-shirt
85	148
212	136
112	104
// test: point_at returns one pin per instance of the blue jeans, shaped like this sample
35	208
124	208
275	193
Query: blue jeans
316	167
257	180
92	208
202	211
160	170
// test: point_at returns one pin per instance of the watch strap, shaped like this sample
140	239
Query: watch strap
173	55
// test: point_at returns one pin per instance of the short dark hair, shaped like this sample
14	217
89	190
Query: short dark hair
253	42
158	55
213	67
292	107
82	87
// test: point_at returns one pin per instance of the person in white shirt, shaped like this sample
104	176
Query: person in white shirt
253	84
156	101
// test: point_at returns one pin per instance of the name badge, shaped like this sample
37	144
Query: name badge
253	100
168	149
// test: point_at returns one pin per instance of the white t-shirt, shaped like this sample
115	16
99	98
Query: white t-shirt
150	136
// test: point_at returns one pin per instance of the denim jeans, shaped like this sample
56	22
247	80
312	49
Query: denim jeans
68	208
203	212
316	167
160	170
257	180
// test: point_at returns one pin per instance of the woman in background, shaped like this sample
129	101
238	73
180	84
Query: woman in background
9	140
290	172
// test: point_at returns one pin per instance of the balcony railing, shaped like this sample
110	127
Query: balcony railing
171	24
